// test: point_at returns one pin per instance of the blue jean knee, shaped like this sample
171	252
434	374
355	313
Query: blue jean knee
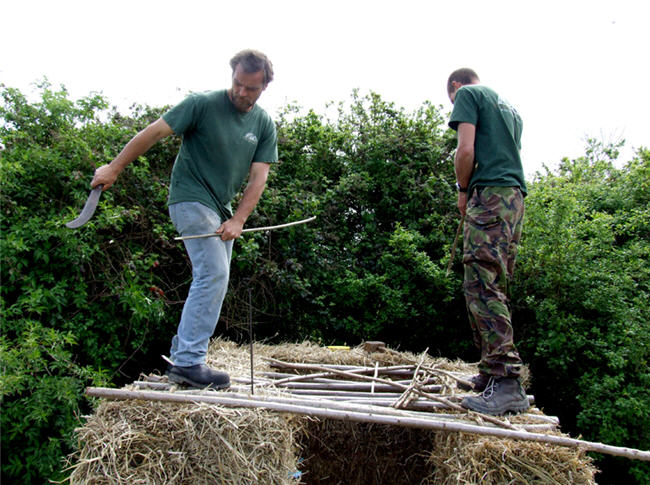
210	258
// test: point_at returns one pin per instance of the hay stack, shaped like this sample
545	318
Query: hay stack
168	443
158	443
462	458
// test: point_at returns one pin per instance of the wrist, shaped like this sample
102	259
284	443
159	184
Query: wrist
238	220
115	167
460	188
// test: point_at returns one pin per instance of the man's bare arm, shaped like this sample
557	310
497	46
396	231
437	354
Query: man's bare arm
232	228
138	145
464	161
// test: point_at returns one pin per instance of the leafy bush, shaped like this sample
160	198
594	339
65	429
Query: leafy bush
583	271
100	303
371	266
41	388
94	283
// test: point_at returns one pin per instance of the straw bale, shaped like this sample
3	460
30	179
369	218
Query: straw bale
472	459
346	453
139	442
151	442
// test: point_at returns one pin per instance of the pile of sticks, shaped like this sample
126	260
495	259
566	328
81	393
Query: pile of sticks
402	395
412	387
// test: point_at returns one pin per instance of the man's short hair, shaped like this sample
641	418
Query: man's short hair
253	61
464	76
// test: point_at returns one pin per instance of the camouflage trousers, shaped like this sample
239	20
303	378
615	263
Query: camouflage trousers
493	225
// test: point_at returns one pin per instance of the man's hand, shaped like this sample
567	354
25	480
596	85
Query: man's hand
229	230
462	202
104	175
232	228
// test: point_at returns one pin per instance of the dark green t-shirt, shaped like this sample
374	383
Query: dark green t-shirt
498	136
219	145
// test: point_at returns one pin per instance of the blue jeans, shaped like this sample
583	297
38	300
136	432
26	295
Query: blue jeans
210	259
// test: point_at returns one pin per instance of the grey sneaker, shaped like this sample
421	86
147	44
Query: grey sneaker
501	395
199	376
479	382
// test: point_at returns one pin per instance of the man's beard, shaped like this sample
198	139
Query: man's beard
241	103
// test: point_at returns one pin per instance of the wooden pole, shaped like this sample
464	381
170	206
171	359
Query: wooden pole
250	335
253	229
452	255
382	370
350	386
405	421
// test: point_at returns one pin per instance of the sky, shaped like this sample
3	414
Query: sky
574	69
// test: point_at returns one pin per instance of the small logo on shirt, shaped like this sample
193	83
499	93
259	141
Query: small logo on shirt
250	138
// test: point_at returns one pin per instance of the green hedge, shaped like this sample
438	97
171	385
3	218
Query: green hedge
77	306
99	304
584	279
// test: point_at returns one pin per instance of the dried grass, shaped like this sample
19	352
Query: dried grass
163	443
158	443
459	458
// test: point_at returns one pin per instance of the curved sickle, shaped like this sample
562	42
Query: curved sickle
88	210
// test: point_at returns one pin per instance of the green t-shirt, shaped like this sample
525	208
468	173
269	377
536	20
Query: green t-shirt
219	145
498	136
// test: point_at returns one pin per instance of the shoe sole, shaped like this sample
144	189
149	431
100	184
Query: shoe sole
179	379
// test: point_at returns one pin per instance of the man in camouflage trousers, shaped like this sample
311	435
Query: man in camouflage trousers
491	190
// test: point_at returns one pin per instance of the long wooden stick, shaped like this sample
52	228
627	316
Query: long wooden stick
340	394
279	364
252	229
350	386
405	421
377	408
402	372
325	378
304	377
250	336
452	255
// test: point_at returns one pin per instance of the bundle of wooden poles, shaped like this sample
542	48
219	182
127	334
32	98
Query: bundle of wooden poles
411	395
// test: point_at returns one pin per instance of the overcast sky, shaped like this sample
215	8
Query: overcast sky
573	68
